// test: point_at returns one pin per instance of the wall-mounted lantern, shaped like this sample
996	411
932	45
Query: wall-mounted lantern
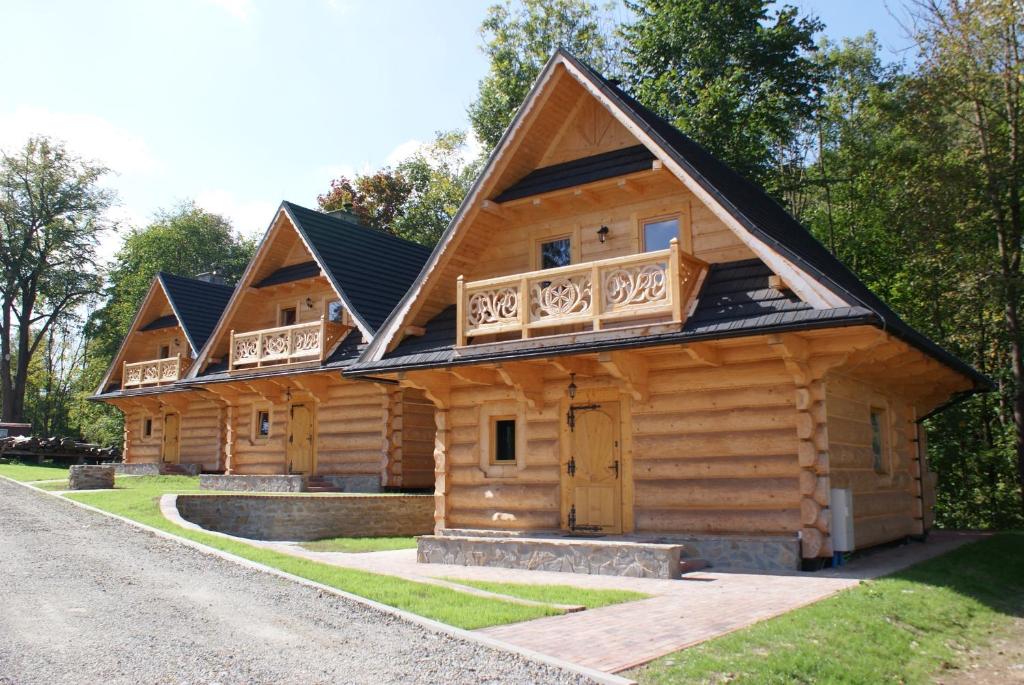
602	234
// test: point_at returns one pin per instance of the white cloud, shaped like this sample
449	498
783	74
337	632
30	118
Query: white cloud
239	9
249	217
86	135
403	151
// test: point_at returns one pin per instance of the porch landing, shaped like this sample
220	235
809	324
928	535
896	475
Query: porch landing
635	555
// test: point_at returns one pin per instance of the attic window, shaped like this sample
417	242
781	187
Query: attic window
165	351
335	312
286	316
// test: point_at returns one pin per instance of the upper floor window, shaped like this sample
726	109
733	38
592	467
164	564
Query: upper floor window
335	312
287	316
658	233
556	252
165	351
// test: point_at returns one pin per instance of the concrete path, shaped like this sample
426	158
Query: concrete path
680	614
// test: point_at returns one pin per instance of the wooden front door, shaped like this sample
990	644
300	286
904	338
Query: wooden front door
170	451
595	483
300	439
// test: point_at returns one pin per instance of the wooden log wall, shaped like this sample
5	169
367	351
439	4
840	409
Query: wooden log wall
886	503
200	435
417	428
139	449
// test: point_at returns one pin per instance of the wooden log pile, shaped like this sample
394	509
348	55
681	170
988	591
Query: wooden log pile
58	450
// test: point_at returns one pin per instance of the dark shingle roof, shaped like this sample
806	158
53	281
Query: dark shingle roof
197	304
161	322
579	171
372	269
287	274
752	207
734	300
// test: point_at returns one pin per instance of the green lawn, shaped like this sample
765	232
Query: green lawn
899	629
30	472
137	498
556	594
360	544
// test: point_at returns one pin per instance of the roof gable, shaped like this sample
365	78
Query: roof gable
777	239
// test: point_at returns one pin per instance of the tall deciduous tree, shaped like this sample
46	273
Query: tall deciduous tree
519	37
972	55
736	75
51	213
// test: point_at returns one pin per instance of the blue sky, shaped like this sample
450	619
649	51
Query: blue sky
242	103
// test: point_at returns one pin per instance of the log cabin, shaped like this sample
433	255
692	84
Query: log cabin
315	292
264	394
164	422
622	337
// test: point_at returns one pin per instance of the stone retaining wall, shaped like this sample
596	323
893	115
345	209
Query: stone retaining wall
252	483
611	558
138	469
91	477
310	517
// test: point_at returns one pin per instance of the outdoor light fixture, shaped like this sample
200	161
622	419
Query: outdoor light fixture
602	233
572	386
309	302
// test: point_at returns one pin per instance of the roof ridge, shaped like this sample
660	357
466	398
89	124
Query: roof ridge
373	230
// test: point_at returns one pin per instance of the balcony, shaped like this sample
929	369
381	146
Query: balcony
301	342
610	293
153	372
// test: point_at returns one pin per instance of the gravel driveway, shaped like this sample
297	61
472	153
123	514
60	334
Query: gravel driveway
88	599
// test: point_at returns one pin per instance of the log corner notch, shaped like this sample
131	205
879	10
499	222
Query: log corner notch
812	446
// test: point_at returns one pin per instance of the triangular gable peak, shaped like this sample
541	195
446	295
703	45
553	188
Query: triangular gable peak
569	116
156	324
286	271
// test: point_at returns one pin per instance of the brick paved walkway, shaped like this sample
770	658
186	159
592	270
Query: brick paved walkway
681	613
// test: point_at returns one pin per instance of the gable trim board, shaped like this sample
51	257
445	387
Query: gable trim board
759	222
169	285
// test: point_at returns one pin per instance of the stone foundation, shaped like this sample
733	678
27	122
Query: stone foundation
187	469
91	477
354	483
310	516
596	557
252	483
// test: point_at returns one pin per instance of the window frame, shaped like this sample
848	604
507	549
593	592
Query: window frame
255	435
160	351
678	216
147	427
282	308
539	242
493	452
881	462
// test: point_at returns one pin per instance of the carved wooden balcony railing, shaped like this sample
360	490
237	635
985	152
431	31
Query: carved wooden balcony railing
301	342
643	286
152	372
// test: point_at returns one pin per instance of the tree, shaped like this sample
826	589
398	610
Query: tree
734	75
518	38
51	214
972	58
418	197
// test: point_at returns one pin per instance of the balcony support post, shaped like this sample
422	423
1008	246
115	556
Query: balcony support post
460	286
674	280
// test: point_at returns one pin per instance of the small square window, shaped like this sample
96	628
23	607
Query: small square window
262	424
504	441
287	316
335	312
165	351
878	446
555	253
658	233
147	427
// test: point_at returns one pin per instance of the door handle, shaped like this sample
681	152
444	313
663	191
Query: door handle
615	465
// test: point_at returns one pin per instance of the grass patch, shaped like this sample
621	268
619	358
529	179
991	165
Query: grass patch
359	544
556	594
900	628
51	484
31	472
138	499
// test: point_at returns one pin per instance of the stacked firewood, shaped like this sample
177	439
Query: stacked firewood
56	449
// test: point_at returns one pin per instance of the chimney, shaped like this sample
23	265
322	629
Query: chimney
212	277
346	214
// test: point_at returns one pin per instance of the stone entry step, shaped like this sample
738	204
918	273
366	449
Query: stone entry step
317	484
567	555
